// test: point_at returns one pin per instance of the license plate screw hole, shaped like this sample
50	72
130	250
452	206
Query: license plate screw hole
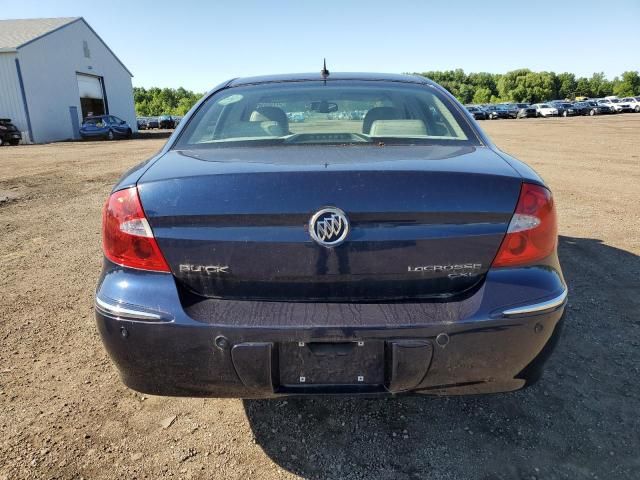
442	339
221	342
360	378
361	344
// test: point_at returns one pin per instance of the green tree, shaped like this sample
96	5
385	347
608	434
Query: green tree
482	95
523	85
184	105
566	85
628	85
511	85
166	101
465	93
599	85
583	88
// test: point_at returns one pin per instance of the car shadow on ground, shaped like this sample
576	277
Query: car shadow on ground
153	134
579	421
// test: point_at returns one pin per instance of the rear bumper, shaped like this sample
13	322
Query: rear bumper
8	136
94	134
495	340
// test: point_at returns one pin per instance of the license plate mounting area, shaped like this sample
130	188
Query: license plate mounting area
314	364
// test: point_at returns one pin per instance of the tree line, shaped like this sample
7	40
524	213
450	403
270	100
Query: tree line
163	101
525	85
521	85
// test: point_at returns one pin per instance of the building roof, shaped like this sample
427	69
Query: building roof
16	33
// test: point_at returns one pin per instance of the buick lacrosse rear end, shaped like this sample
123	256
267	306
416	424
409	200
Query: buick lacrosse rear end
328	234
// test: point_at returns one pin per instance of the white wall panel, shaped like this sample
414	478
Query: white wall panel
11	103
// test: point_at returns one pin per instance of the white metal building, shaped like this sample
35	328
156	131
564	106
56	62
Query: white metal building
56	71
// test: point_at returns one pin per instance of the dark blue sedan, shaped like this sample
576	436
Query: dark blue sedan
108	127
395	251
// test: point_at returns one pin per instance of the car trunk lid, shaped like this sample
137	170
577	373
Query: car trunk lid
425	222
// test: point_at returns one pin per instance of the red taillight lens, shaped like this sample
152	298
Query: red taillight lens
127	238
533	230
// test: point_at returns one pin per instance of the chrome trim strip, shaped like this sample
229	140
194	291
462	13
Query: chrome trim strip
124	312
537	307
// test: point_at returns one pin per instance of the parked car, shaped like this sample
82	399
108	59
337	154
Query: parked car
581	108
266	259
152	122
9	133
142	123
596	108
568	109
511	109
526	111
624	106
615	104
516	107
477	112
105	126
558	105
634	103
166	122
497	111
545	110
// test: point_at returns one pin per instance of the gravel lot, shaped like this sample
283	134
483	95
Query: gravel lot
65	414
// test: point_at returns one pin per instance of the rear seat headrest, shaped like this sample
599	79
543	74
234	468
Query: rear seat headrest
254	129
398	128
270	114
380	113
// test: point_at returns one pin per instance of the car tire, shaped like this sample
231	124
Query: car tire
1	142
129	134
565	114
110	135
637	109
592	112
14	142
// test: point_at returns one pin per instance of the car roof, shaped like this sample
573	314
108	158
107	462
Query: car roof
301	77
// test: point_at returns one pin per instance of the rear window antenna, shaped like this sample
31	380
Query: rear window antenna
324	72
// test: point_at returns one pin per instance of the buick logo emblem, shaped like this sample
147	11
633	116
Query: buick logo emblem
329	227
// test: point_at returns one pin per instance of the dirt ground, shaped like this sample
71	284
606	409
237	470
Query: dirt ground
65	414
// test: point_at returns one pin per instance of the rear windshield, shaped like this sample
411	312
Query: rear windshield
94	121
336	113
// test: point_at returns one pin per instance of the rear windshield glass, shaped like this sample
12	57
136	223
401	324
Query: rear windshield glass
338	113
94	121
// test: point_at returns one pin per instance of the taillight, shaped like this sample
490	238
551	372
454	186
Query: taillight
127	238
533	230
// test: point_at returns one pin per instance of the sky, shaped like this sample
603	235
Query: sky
198	44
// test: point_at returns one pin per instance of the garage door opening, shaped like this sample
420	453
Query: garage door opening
91	95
